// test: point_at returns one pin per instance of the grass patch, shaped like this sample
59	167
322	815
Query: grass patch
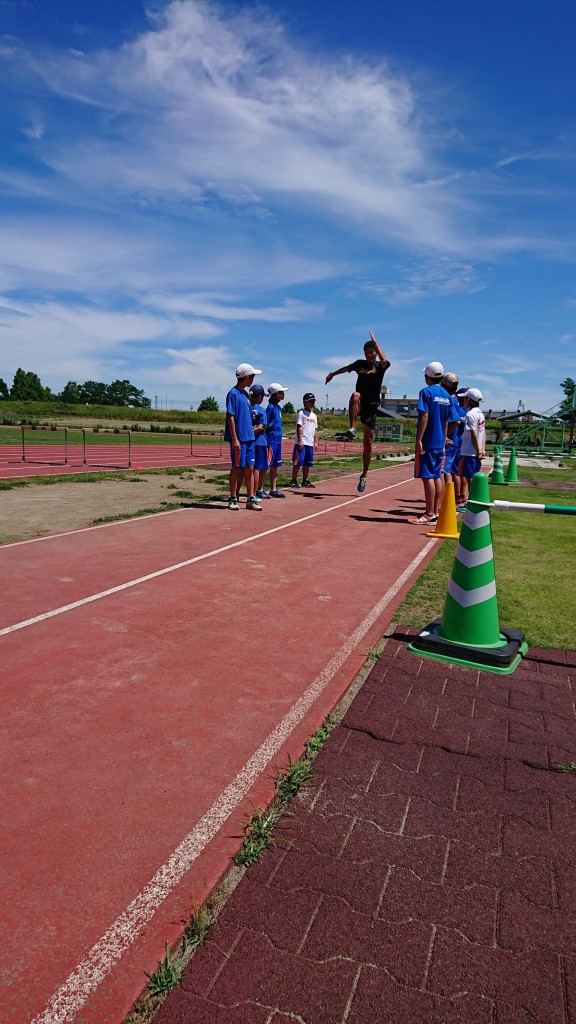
533	556
566	766
258	828
167	974
167	506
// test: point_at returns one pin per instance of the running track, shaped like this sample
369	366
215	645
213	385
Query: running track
143	456
154	671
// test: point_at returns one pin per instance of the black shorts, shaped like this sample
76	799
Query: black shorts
368	414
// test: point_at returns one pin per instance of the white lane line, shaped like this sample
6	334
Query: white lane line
91	971
182	565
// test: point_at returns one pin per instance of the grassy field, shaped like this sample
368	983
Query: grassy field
534	560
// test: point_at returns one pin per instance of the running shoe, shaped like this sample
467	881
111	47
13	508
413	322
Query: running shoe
233	503
262	494
350	433
307	483
293	483
461	508
277	494
423	520
254	504
362	484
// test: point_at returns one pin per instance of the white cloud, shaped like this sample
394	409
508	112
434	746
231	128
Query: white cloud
429	277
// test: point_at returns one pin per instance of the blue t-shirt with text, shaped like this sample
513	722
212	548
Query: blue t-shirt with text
434	400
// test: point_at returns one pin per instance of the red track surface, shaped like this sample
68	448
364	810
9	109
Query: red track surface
129	712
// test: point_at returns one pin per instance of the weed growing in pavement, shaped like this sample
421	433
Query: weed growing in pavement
287	784
258	834
317	741
373	654
167	974
566	766
259	827
196	929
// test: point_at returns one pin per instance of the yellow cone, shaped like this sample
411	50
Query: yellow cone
447	521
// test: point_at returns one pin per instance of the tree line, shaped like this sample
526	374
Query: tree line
27	387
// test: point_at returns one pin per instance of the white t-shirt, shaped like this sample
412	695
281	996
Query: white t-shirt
309	422
474	422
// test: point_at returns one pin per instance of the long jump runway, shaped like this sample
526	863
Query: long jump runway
154	671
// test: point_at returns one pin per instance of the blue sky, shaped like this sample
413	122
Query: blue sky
188	185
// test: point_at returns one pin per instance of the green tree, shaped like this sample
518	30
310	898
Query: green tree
122	392
27	387
289	409
71	395
208	404
569	387
4	390
92	392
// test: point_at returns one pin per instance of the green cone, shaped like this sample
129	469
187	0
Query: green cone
497	476
470	614
512	471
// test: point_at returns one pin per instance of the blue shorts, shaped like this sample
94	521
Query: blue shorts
246	455
304	456
429	465
452	458
275	454
469	465
261	456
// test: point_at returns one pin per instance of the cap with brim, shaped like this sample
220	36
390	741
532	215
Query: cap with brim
257	390
450	378
433	370
309	397
275	388
474	394
246	370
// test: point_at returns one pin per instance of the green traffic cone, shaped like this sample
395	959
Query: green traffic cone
471	611
469	632
512	471
497	475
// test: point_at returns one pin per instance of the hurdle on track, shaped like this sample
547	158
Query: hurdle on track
43	462
107	465
208	453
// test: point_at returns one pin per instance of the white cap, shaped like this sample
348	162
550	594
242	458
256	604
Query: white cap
474	394
246	370
434	370
275	388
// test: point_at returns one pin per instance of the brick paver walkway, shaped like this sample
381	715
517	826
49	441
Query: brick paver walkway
430	877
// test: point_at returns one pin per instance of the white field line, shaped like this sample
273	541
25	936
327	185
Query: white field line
182	565
75	991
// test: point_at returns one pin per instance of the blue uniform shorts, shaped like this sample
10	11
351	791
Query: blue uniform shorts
469	465
245	457
452	458
303	456
275	454
429	465
261	456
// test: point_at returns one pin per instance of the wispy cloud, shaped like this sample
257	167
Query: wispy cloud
427	278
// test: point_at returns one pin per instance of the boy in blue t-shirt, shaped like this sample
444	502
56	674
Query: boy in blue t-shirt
433	416
256	395
239	432
276	394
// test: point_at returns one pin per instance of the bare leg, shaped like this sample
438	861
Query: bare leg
367	451
429	495
273	476
353	409
235	479
438	494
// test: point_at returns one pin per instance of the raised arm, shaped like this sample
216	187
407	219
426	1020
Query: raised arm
381	355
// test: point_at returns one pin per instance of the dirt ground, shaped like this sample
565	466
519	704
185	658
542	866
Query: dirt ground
37	510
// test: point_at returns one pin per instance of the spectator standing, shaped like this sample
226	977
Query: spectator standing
306	441
433	415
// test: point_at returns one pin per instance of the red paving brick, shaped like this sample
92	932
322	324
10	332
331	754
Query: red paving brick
426	874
